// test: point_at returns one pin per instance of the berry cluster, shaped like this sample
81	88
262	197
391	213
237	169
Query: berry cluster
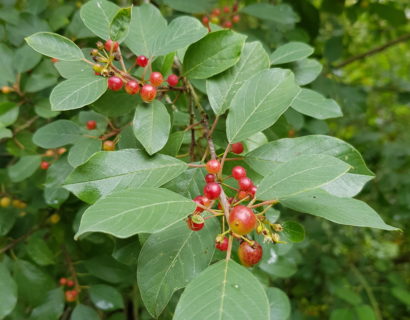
243	219
226	16
71	294
106	53
7	201
50	155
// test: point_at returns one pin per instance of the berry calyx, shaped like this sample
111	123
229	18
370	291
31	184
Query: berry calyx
111	46
212	190
70	283
245	183
114	83
227	24
237	147
108	145
242	220
213	166
142	61
156	79
236	18
44	165
91	124
209	178
195	222
71	295
5	202
63	281
238	172
148	93
248	254
132	87
222	245
202	201
172	80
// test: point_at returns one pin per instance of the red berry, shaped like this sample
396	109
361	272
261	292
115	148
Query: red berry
91	124
202	201
132	87
63	281
222	245
242	195
212	190
235	7
245	183
205	20
142	61
70	283
114	83
111	45
237	147
44	165
216	12
108	145
210	178
227	24
236	18
195	222
156	79
172	80
213	166
252	191
148	92
71	295
227	9
54	60
249	255
238	172
242	220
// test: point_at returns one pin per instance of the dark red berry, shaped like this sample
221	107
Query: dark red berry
148	92
114	83
205	20
70	283
236	18
227	24
227	9
210	178
213	166
252	191
195	222
249	255
111	44
216	12
71	295
202	201
238	172
242	220
156	79
142	61
63	281
245	183
237	147
172	80
222	245
212	190
91	124
44	165
132	87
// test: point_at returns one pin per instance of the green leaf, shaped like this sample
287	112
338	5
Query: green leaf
83	312
291	51
281	13
402	295
225	290
43	76
105	297
52	307
5	133
312	103
147	23
57	134
77	92
174	143
189	6
115	104
259	103
279	304
54	194
24	168
83	149
7	74
120	23
70	69
179	34
189	184
128	212
365	312
26	59
129	168
9	112
151	126
43	109
8	292
39	251
293	231
214	53
7	220
306	71
299	175
106	268
56	46
166	262
222	88
265	158
97	16
346	211
343	314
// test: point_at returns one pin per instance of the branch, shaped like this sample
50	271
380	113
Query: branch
372	51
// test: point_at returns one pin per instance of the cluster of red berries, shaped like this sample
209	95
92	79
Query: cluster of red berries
70	295
117	79
225	16
50	153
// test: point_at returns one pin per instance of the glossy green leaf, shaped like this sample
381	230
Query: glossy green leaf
293	231
129	168
8	292
147	23
115	104
105	297
151	126
312	103
54	45
299	175
97	16
128	212
279	304
52	306
179	34
69	69
306	71
213	54
77	92
222	88
39	251
291	51
83	312
339	210
57	134
7	76
174	143
120	23
83	149
189	6
24	168
259	103
281	13
54	193
225	290
167	263
190	183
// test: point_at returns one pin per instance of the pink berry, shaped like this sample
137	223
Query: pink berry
212	190
148	92
114	83
172	80
111	44
213	166
156	79
132	87
238	172
142	61
245	183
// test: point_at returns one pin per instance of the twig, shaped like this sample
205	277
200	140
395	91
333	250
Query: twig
229	251
26	125
265	203
193	165
71	268
18	240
